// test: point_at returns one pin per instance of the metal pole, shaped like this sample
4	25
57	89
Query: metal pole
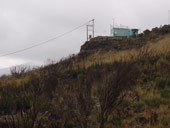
93	27
87	33
90	28
113	22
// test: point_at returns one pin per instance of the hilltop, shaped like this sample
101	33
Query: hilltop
124	43
109	49
120	82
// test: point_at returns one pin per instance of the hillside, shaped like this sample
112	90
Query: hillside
114	82
109	49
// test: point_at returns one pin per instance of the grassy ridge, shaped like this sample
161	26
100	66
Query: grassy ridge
112	82
153	48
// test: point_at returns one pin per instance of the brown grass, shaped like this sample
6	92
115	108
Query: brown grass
153	48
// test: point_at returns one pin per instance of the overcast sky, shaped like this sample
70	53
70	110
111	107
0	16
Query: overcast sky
24	23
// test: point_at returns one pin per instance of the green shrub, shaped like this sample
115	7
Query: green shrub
154	101
148	89
168	82
161	82
165	93
162	63
165	120
140	104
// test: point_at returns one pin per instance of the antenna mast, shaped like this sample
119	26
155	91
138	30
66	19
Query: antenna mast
112	27
90	30
113	22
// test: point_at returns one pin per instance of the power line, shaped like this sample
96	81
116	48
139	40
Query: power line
45	42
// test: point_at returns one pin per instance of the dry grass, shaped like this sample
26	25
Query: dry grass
153	48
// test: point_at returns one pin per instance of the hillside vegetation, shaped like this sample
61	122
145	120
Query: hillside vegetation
114	82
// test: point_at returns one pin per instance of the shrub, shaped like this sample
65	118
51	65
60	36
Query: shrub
19	71
114	86
154	101
161	82
165	93
165	120
162	63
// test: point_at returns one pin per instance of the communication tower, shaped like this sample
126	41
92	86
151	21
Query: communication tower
90	30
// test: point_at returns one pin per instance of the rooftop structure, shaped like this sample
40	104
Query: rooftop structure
123	31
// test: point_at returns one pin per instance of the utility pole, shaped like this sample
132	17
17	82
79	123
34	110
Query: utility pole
90	30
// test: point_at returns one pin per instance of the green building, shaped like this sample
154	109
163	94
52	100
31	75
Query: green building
121	32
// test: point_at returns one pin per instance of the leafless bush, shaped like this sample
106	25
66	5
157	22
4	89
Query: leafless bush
24	104
19	71
84	102
113	88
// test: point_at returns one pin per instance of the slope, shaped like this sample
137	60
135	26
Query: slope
113	82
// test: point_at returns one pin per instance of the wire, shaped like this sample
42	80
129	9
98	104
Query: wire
102	32
45	42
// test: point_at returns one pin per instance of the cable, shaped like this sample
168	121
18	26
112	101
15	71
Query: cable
45	42
100	33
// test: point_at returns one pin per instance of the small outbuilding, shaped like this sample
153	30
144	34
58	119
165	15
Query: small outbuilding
123	31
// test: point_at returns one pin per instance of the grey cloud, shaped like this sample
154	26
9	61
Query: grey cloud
27	22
